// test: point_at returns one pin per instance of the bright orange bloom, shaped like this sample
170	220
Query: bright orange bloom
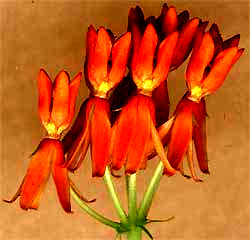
210	62
135	126
104	68
56	109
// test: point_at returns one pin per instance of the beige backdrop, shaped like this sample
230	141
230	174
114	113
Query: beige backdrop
52	35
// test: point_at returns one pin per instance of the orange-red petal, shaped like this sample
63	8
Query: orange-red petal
60	109
120	53
45	96
170	22
215	34
60	176
136	37
100	133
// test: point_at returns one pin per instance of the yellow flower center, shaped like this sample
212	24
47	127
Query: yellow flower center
146	86
52	131
103	89
196	93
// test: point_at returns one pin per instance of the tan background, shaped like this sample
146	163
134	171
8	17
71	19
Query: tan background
51	35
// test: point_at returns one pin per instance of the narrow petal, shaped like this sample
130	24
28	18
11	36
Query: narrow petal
122	131
100	133
185	43
161	99
199	135
181	133
141	136
90	44
164	10
170	22
60	176
60	109
120	53
143	67
136	17
182	19
97	70
215	34
222	65
45	96
37	175
232	42
164	57
199	61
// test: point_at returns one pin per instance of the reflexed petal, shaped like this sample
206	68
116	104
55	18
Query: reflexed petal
73	90
122	132
199	61
185	42
181	133
100	133
97	68
120	52
60	176
45	96
222	65
232	42
170	22
60	109
164	57
144	60
182	19
200	137
37	175
140	136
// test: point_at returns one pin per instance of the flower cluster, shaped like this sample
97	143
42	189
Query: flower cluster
125	120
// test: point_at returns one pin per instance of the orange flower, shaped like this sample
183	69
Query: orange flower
56	109
92	126
210	62
135	126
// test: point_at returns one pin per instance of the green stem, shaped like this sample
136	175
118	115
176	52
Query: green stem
135	233
131	193
109	183
150	192
92	212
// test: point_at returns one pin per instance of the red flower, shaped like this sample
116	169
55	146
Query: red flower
56	109
92	126
135	126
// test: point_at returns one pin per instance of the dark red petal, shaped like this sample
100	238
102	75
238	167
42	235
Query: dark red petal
222	65
199	61
215	34
161	99
136	37
100	133
60	176
199	135
143	67
120	53
122	132
182	19
45	96
140	136
170	22
60	109
136	17
185	42
164	57
164	10
232	42
97	68
37	175
181	134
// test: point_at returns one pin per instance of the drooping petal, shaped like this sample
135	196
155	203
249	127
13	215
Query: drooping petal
100	133
60	109
45	96
122	131
37	175
199	61
60	176
170	22
182	19
144	60
185	43
199	135
164	57
97	68
140	136
181	133
222	65
120	53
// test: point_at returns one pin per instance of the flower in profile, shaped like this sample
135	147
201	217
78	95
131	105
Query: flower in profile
210	62
135	126
56	110
105	66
